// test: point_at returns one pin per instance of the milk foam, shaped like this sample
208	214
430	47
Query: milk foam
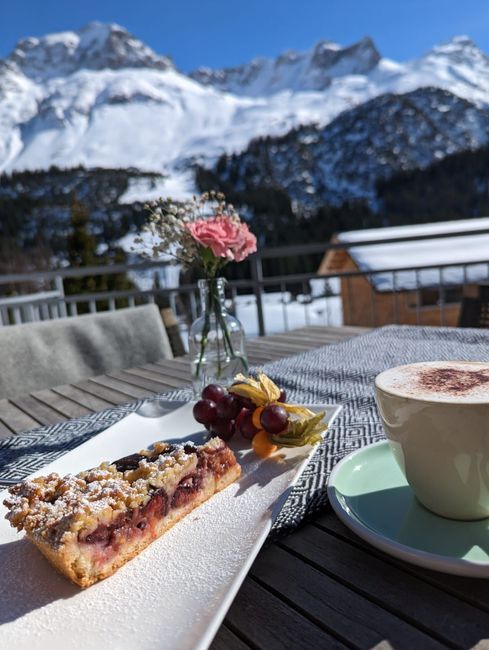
444	381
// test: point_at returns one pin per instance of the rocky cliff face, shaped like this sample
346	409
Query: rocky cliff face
296	71
97	46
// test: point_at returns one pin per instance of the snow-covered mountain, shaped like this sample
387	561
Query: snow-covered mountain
342	161
296	71
96	46
99	97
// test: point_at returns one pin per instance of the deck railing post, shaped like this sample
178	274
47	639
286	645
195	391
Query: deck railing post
257	277
59	285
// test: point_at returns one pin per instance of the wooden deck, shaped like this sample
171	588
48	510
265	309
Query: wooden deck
320	587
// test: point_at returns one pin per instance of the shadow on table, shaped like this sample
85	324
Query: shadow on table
269	469
28	581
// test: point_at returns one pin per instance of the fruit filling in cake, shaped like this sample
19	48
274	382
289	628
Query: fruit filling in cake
90	524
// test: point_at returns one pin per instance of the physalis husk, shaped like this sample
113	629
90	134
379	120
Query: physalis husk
303	429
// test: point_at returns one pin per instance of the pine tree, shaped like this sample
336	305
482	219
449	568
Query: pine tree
81	245
82	252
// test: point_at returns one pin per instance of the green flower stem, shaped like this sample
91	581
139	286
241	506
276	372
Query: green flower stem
203	343
227	339
213	308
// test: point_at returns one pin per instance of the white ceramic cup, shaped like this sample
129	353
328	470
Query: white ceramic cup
440	438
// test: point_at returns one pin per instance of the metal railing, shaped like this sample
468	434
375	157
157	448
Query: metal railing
293	292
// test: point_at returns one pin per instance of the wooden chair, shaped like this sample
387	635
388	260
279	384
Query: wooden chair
40	355
173	330
475	311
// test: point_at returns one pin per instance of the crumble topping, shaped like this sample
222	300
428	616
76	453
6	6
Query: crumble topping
52	506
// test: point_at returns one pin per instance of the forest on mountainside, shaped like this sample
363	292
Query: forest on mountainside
456	187
36	210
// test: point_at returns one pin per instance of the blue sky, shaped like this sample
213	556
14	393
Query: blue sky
228	32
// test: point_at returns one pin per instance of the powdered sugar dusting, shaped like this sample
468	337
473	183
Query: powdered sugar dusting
50	506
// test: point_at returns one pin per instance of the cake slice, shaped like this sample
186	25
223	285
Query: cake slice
90	524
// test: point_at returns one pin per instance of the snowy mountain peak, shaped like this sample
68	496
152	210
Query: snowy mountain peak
292	70
96	46
359	58
99	97
459	49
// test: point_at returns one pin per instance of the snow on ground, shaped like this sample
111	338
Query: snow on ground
180	184
282	316
455	251
168	275
143	189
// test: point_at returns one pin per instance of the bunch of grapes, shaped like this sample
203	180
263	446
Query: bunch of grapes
224	414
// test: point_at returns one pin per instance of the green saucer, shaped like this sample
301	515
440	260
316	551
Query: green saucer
371	496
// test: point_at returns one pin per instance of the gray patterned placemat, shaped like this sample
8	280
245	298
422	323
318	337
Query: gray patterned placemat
342	373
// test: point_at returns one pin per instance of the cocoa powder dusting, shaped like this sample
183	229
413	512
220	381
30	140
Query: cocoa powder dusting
452	380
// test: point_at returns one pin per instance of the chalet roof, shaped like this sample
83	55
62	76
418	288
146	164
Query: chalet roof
455	251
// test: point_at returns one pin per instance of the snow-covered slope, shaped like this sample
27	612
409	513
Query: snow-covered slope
117	104
342	161
99	97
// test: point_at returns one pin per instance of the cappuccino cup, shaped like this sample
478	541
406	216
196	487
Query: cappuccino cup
436	418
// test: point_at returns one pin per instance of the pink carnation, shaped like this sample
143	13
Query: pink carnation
224	236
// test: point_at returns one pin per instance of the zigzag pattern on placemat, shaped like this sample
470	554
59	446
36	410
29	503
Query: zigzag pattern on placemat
336	374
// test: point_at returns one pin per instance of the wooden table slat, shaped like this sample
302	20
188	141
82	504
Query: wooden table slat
291	343
348	613
227	640
43	413
5	431
132	391
448	619
151	385
66	407
79	396
177	372
166	382
285	348
473	590
111	395
265	621
15	419
260	360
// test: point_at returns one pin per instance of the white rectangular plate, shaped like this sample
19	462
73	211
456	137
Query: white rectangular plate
173	595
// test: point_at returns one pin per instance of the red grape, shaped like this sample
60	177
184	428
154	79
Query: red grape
223	428
283	395
213	392
247	403
205	411
244	424
228	407
274	418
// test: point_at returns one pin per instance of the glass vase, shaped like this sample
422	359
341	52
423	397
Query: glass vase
216	339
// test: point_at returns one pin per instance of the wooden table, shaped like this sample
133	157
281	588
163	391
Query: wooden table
320	587
105	391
